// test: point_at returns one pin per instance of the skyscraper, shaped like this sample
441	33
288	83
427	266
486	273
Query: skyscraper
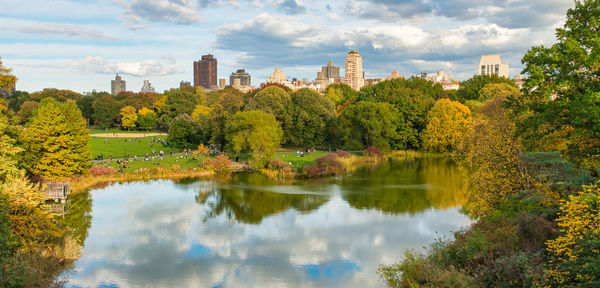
242	75
492	65
117	86
354	70
147	87
331	71
205	72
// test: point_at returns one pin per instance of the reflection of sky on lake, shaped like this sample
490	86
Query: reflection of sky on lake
153	235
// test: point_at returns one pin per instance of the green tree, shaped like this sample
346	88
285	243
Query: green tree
413	99
128	117
561	95
106	110
471	88
56	94
342	96
311	114
256	132
56	141
184	132
26	111
367	124
447	122
147	119
178	102
16	99
229	103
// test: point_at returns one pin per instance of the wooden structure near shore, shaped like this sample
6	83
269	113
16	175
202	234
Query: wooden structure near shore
57	191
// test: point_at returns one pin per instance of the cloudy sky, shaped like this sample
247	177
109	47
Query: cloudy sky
81	44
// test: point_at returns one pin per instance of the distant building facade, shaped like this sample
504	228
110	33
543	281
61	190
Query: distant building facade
242	75
118	85
331	71
448	82
492	65
279	78
184	84
147	88
354	70
205	72
222	84
395	75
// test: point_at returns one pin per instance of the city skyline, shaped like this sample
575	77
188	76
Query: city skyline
80	45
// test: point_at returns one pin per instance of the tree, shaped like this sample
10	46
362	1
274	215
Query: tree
311	114
561	95
342	95
128	117
58	95
412	98
147	119
106	110
179	102
256	132
229	103
184	132
7	80
493	159
26	111
574	253
56	141
471	88
367	124
447	122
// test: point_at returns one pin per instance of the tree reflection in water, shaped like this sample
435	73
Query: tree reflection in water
252	199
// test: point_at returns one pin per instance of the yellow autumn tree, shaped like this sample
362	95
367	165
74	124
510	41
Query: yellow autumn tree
447	122
7	80
128	117
201	111
492	159
571	256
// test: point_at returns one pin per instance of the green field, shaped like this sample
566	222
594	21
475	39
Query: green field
119	147
167	162
299	162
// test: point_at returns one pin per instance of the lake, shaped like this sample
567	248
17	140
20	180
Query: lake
249	231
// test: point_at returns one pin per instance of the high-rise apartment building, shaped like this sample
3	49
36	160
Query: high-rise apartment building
331	71
118	85
242	75
147	88
205	72
492	65
354	70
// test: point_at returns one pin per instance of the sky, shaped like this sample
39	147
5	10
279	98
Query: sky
81	44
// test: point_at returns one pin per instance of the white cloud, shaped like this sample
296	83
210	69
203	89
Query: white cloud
58	29
174	11
97	64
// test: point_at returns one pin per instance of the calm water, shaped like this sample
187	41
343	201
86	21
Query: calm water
248	231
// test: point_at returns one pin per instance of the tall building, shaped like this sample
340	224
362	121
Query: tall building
242	75
184	84
205	72
118	85
147	87
279	78
331	71
492	65
354	70
222	84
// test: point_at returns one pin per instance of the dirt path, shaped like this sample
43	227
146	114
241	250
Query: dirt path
128	135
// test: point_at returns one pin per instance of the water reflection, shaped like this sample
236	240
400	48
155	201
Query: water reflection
248	198
246	231
408	186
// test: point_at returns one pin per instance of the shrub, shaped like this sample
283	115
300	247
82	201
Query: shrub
102	170
219	164
328	164
277	164
373	152
343	154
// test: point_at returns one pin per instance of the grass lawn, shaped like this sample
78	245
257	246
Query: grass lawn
118	130
167	162
119	147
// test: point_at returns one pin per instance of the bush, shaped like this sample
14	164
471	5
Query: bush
219	164
326	165
102	170
343	154
277	164
373	152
